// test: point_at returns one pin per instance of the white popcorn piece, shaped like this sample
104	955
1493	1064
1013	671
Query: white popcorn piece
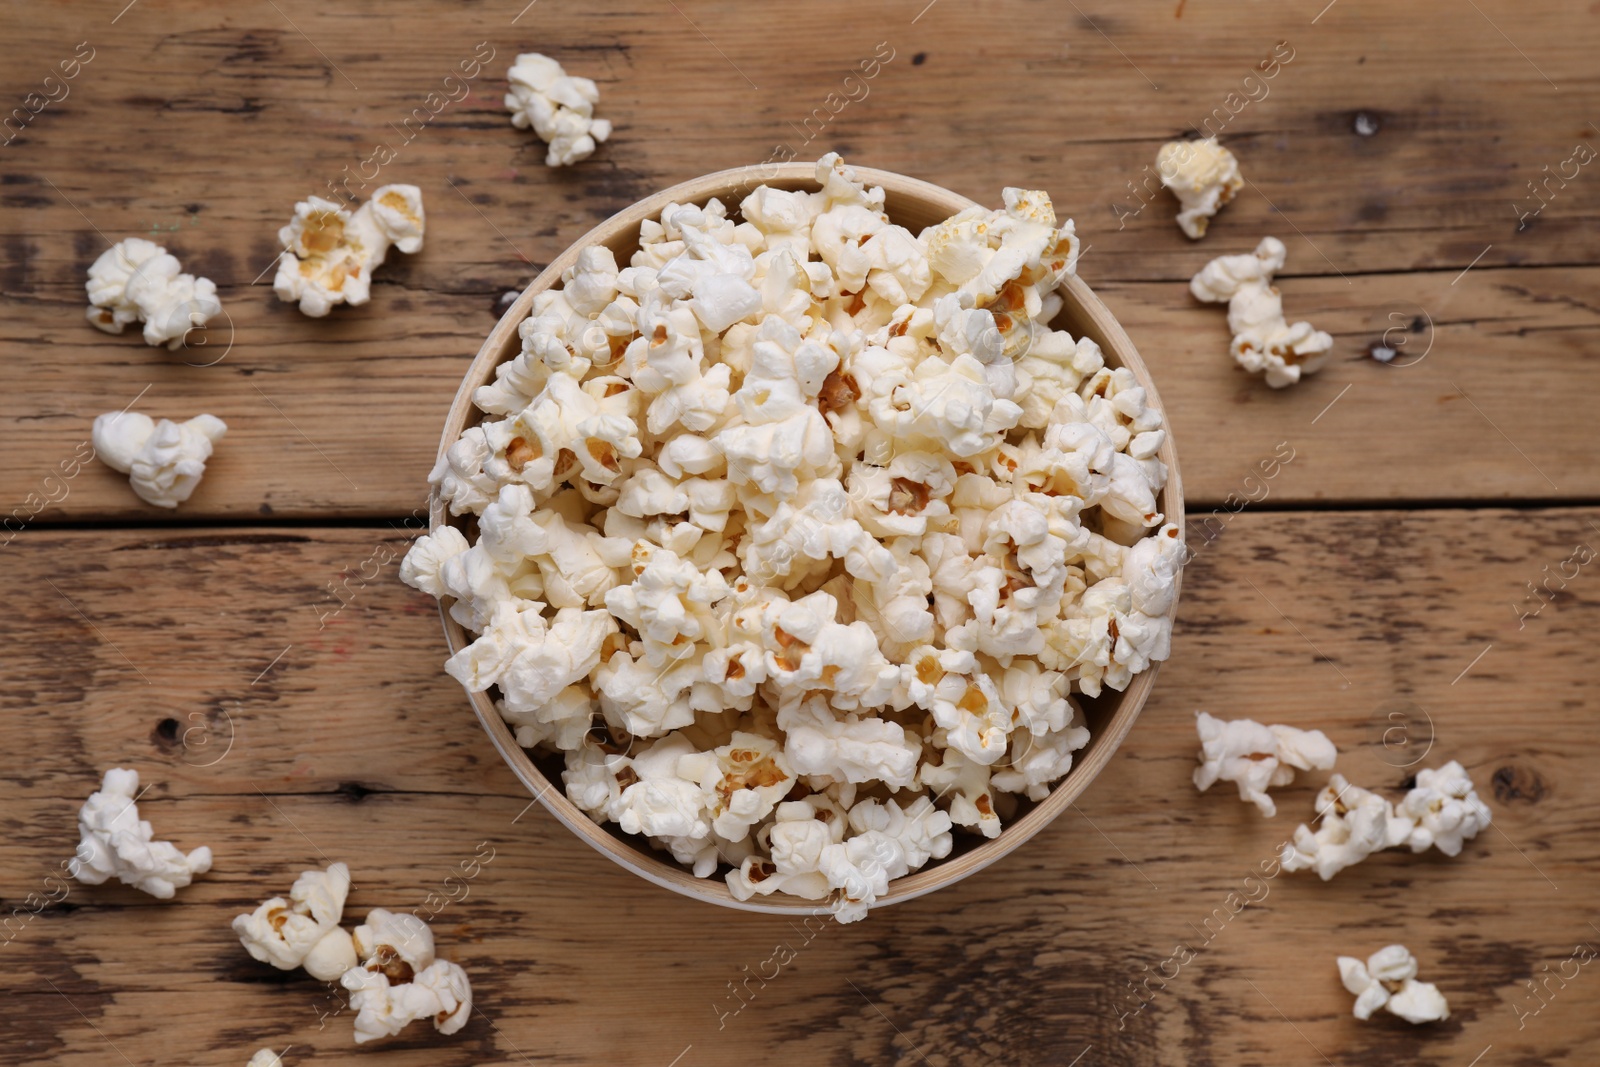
1387	979
421	566
1262	340
751	776
890	841
1355	824
1203	175
164	460
966	783
399	981
797	535
304	930
1255	757
661	802
139	281
330	252
530	658
559	108
116	843
851	749
1418	1002
1442	810
265	1058
1445	809
440	991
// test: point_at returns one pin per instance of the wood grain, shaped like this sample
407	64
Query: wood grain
204	128
355	746
1393	155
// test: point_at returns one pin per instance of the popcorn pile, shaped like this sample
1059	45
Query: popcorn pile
116	843
1388	979
559	107
1262	339
139	281
1442	811
164	460
330	252
825	523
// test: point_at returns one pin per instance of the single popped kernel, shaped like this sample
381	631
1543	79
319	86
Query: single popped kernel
1263	341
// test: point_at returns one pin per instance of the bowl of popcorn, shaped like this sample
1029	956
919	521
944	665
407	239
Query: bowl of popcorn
807	544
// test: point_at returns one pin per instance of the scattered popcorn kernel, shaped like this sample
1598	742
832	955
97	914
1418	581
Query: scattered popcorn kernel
398	980
1254	756
1203	176
1262	339
139	281
330	252
559	108
304	930
1388	979
116	843
164	460
1444	809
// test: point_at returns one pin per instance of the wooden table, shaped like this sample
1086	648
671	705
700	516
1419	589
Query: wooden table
1384	579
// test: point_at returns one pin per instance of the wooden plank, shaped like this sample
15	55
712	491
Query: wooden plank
574	960
1460	414
1082	101
339	416
1466	412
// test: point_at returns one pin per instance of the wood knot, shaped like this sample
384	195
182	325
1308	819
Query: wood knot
354	792
1517	783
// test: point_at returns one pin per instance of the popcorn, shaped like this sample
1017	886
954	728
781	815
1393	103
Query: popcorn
1262	339
890	842
1355	824
164	460
1445	810
1387	979
303	930
330	252
967	783
1418	1002
560	108
1203	176
265	1058
139	281
751	776
529	658
117	843
398	980
1255	756
1442	810
850	750
798	535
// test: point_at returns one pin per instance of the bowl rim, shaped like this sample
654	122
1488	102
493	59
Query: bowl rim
1090	317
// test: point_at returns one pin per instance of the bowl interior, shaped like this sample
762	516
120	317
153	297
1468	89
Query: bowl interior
913	204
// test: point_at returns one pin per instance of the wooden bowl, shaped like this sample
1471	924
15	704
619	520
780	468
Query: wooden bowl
913	204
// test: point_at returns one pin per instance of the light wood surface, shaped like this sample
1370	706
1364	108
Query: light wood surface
354	746
1398	543
216	123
